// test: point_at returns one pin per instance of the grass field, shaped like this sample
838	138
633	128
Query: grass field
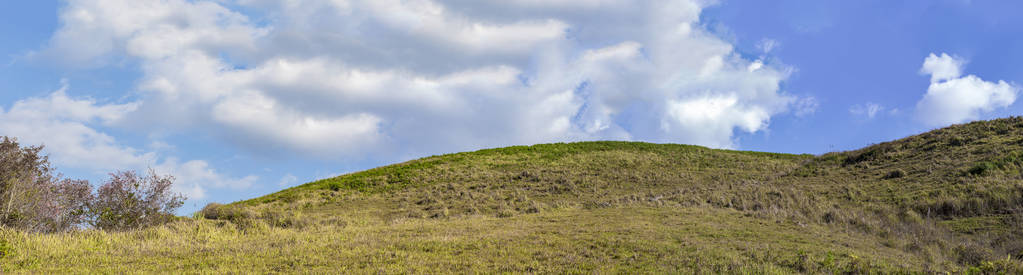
950	200
627	239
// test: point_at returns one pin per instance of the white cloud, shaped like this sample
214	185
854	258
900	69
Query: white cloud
265	118
195	176
346	78
869	110
147	29
943	67
60	123
953	98
67	128
714	117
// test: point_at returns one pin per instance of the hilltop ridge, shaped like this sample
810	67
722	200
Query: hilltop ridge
945	200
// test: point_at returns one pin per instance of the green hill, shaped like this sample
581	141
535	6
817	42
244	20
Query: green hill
946	200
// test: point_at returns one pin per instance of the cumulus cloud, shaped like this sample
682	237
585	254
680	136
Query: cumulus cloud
943	67
953	98
67	127
347	78
147	29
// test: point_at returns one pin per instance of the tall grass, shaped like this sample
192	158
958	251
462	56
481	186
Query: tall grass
913	205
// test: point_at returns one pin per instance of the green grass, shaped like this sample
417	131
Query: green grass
950	200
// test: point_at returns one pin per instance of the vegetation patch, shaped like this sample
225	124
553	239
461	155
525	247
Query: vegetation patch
949	200
894	174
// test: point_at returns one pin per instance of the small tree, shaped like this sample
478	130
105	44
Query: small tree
129	201
31	197
73	198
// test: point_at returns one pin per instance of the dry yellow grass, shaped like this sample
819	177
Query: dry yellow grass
612	240
950	200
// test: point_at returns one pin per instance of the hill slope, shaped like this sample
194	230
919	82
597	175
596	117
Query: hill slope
946	200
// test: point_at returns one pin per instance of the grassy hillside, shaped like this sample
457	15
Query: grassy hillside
947	200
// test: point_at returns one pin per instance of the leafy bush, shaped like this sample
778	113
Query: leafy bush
282	219
869	154
894	174
241	216
129	201
32	198
1001	266
982	168
216	211
247	218
957	141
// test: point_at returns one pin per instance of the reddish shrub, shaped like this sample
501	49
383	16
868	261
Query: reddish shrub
129	201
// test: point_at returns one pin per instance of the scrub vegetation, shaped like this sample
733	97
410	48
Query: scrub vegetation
34	199
949	200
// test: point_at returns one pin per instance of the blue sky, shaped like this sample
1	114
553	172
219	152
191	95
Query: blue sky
242	98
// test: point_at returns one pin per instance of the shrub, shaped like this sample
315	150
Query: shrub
872	153
73	198
31	197
130	201
982	168
247	218
1001	266
972	254
894	174
282	219
957	141
216	211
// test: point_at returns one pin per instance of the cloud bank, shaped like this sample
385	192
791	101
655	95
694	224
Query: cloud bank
67	127
350	79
